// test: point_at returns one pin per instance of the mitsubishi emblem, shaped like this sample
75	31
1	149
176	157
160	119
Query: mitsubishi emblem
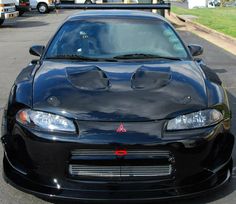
121	128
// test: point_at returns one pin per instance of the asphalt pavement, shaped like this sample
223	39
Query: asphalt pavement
17	36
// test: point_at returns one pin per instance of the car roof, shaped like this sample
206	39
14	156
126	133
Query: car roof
115	13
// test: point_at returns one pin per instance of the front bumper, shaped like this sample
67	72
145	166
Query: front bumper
113	191
39	165
10	15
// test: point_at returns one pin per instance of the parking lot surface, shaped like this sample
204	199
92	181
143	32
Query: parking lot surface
17	36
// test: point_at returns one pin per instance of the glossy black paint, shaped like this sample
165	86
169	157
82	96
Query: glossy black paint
143	95
127	93
195	50
37	50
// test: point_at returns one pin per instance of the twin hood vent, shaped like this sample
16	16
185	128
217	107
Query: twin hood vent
92	78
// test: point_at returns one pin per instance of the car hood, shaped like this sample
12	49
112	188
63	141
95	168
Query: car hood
119	91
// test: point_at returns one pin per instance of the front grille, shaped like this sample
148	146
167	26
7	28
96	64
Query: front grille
95	171
96	152
119	171
9	10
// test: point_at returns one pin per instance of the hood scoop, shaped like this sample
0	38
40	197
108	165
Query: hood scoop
89	78
119	92
151	77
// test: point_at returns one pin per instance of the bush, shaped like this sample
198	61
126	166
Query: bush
224	1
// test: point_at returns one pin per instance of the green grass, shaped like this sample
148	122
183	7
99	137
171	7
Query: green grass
220	19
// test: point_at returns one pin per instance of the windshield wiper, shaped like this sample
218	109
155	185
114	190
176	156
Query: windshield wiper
144	56
113	59
80	57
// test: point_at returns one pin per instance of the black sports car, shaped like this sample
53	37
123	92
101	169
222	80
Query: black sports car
117	108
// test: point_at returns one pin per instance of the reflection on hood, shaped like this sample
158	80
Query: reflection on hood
120	92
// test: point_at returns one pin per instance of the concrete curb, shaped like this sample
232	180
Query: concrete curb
206	29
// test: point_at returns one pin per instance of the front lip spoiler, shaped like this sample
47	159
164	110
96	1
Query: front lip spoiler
9	171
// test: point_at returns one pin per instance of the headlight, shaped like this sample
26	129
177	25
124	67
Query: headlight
45	121
198	119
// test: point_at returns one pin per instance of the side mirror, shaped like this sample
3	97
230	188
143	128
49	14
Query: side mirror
195	50
37	50
34	61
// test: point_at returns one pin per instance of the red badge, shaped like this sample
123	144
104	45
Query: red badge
121	128
121	152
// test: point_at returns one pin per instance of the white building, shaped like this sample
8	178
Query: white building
197	3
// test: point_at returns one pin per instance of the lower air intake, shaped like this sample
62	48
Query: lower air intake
119	171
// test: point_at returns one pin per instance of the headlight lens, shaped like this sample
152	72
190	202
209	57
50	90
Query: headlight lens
198	119
45	121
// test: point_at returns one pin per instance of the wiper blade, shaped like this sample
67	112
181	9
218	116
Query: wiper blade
80	57
73	57
144	56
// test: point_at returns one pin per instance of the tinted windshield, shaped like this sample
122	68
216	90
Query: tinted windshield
109	38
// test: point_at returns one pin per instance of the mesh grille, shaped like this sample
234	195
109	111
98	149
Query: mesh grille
119	171
95	152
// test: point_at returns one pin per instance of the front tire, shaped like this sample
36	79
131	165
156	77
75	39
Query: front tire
1	21
42	8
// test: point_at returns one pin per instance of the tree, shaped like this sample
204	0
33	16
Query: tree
222	2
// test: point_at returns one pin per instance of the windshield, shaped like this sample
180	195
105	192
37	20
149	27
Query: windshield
116	39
